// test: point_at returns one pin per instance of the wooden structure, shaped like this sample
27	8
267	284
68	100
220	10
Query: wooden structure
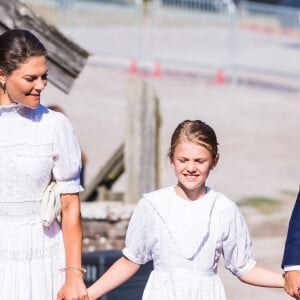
105	178
142	141
138	156
65	58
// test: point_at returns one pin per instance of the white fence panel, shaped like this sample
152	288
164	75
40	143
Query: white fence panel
249	42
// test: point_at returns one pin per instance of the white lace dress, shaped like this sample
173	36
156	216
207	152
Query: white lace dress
33	143
185	240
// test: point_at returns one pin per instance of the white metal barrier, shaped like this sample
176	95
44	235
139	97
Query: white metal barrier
256	41
267	43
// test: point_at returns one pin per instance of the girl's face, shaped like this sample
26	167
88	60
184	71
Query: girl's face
192	164
25	84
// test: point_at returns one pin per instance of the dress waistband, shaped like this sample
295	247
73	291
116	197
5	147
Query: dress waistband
20	208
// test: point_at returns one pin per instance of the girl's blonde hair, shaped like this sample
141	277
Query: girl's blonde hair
197	132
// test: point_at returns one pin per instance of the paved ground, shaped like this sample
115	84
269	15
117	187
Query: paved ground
258	129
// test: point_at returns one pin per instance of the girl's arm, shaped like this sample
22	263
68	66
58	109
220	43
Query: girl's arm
118	273
74	287
260	276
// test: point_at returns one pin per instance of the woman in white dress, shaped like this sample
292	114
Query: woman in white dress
185	229
36	144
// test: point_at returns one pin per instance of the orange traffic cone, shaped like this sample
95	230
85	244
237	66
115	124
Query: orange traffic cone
157	70
133	67
219	77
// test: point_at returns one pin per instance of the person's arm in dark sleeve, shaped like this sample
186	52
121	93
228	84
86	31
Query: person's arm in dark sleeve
291	255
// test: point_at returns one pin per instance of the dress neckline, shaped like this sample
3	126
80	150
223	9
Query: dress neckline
17	109
9	109
192	202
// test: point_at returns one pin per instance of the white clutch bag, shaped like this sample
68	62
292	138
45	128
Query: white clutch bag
51	205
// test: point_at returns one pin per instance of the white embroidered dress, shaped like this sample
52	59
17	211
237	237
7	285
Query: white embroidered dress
33	143
185	240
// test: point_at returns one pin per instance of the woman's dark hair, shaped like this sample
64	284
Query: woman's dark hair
16	46
196	132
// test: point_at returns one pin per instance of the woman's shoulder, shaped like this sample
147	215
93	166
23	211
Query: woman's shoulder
52	113
56	117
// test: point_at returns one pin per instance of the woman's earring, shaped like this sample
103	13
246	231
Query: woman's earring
3	86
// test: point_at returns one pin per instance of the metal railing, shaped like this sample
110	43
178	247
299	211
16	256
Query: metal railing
253	40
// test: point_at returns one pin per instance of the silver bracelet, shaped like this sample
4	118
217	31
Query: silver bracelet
65	269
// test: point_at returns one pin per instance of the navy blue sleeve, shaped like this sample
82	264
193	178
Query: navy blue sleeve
291	255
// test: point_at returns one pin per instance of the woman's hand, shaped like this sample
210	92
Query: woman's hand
73	288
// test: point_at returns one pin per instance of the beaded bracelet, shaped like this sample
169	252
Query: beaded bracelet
65	269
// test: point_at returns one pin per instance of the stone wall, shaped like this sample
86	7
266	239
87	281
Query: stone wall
105	224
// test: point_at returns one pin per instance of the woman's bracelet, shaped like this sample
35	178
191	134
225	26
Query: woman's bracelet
65	269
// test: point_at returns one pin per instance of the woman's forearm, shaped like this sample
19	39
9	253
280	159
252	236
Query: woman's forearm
72	229
74	287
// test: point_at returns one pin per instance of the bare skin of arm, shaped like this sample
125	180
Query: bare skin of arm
74	287
118	273
260	276
292	283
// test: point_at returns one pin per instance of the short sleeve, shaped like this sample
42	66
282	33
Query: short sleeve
140	236
236	242
67	157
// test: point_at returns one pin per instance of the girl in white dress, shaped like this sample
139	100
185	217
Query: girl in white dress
185	229
36	144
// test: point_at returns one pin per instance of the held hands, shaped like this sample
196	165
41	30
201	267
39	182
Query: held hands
292	283
73	288
90	295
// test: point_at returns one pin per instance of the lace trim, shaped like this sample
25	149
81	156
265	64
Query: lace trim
31	254
9	109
